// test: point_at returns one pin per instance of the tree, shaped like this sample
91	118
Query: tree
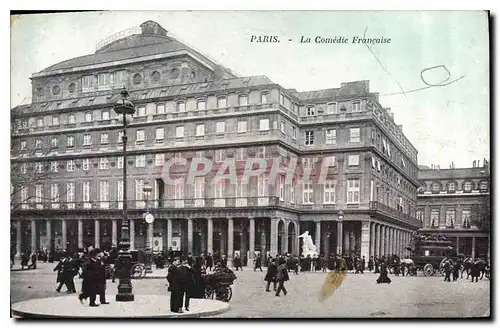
482	214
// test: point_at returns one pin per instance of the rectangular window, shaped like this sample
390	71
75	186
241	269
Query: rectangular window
179	132
221	102
54	166
86	191
86	164
242	127
38	143
23	145
282	127
264	125
140	161
219	155
353	160
71	119
24	168
282	99
308	194
119	138
353	190
159	159
38	193
179	195
200	130
160	109
450	218
55	120
119	162
139	135
88	117
292	193
331	108
199	187
243	100
88	81
54	194
104	138
240	154
54	142
139	193
310	111
329	192
70	193
160	134
466	214
262	186
309	138
354	135
294	133
87	139
221	127
181	106
119	193
420	215
104	194
261	152
70	165
201	104
105	115
264	97
38	167
141	111
356	106
282	187
120	77
104	163
331	136
434	218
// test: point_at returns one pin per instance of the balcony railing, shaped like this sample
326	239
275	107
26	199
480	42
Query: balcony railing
376	206
225	202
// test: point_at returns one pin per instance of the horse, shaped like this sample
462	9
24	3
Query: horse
466	266
481	266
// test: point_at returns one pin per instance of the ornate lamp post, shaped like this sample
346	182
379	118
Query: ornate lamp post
123	108
149	218
340	232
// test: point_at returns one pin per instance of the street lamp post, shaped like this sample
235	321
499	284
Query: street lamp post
123	108
149	218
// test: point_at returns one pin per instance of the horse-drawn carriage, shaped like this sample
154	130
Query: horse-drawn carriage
138	269
429	255
218	284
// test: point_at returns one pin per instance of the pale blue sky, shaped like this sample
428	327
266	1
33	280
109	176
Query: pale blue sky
445	124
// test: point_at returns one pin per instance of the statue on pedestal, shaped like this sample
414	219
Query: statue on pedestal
308	247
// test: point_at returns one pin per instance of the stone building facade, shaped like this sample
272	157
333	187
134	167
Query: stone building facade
455	203
67	153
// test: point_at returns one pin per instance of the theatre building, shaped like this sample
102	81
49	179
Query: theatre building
455	203
67	162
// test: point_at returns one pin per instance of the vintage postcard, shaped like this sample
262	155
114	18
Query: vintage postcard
250	164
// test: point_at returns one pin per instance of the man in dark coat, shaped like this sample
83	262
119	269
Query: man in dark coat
65	274
190	260
258	263
33	261
174	286
101	278
447	271
272	270
370	264
237	263
455	270
209	262
383	278
90	279
281	277
186	283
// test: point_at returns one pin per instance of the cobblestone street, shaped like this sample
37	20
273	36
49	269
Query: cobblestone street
359	296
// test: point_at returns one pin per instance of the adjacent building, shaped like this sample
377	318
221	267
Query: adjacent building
67	159
455	202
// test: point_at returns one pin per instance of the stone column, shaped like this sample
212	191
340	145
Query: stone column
346	240
372	239
210	236
18	239
274	236
114	233
340	233
352	241
365	240
80	233
230	242
169	233
284	241
473	248
33	236
64	233
97	234
377	240
48	226
150	234
190	235
243	242
317	238
132	234
296	239
384	240
252	239
326	244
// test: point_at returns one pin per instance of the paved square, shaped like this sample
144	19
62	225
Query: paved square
359	295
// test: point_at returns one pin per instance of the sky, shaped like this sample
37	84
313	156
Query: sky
445	123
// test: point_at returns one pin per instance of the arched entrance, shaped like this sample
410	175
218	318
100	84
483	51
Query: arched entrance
292	239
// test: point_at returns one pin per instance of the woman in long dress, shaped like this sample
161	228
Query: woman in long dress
383	278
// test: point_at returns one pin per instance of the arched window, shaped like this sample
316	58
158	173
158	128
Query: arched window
467	186
452	187
436	187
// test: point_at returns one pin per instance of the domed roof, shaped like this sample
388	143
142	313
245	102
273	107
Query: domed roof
152	40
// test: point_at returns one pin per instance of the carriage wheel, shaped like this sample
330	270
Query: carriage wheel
136	271
441	267
428	270
228	294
